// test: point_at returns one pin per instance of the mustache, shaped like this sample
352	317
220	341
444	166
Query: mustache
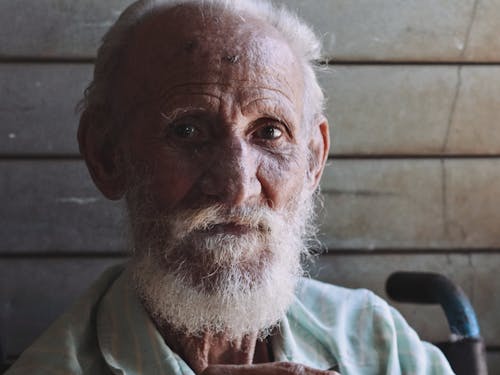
207	218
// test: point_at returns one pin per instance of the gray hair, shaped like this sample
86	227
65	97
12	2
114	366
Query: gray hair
299	36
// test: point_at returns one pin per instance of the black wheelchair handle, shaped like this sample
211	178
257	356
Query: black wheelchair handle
432	288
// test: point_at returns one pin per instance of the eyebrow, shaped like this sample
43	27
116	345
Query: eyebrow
178	112
282	113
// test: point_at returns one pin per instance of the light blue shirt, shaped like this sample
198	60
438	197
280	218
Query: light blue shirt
108	332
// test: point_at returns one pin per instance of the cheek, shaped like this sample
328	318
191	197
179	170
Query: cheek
172	180
282	179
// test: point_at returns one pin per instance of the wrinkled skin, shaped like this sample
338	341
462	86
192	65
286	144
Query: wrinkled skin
229	132
213	108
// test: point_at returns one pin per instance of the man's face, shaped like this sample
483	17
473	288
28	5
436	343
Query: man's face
218	152
218	113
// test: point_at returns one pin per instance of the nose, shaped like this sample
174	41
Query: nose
231	175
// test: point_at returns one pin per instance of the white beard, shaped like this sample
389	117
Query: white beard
219	283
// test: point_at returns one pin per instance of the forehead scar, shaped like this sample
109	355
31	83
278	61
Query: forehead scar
233	59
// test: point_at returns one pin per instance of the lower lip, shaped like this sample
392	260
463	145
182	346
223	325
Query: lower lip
235	229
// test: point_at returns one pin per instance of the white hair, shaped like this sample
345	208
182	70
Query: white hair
299	36
219	283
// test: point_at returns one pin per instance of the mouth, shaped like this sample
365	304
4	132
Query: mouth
230	228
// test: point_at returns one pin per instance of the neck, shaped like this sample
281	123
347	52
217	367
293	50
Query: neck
209	349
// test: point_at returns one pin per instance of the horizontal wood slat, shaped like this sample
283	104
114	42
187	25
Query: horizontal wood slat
367	30
383	204
386	30
413	110
373	110
38	107
54	207
405	204
369	204
54	28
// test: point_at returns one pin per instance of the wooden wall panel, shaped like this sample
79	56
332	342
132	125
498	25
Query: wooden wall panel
38	107
373	110
405	204
493	362
373	30
414	110
385	30
475	121
389	109
471	202
484	44
53	206
369	204
374	204
55	28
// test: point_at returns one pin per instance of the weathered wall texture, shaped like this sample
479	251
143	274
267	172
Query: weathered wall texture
413	182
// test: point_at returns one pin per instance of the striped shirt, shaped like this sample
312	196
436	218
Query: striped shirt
108	332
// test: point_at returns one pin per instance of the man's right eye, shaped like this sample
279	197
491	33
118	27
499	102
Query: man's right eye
185	131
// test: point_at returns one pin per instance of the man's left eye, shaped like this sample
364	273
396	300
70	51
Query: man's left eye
269	133
185	131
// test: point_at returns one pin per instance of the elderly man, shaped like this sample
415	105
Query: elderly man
206	116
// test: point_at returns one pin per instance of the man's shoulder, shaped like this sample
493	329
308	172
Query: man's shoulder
315	292
338	311
319	325
363	332
70	342
83	310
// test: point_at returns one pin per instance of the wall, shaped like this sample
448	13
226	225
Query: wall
412	183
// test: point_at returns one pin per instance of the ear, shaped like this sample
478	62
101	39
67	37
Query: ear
319	145
103	157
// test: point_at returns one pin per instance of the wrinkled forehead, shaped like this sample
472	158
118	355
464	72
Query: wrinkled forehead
205	44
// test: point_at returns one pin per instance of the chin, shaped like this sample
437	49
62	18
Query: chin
235	298
220	262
